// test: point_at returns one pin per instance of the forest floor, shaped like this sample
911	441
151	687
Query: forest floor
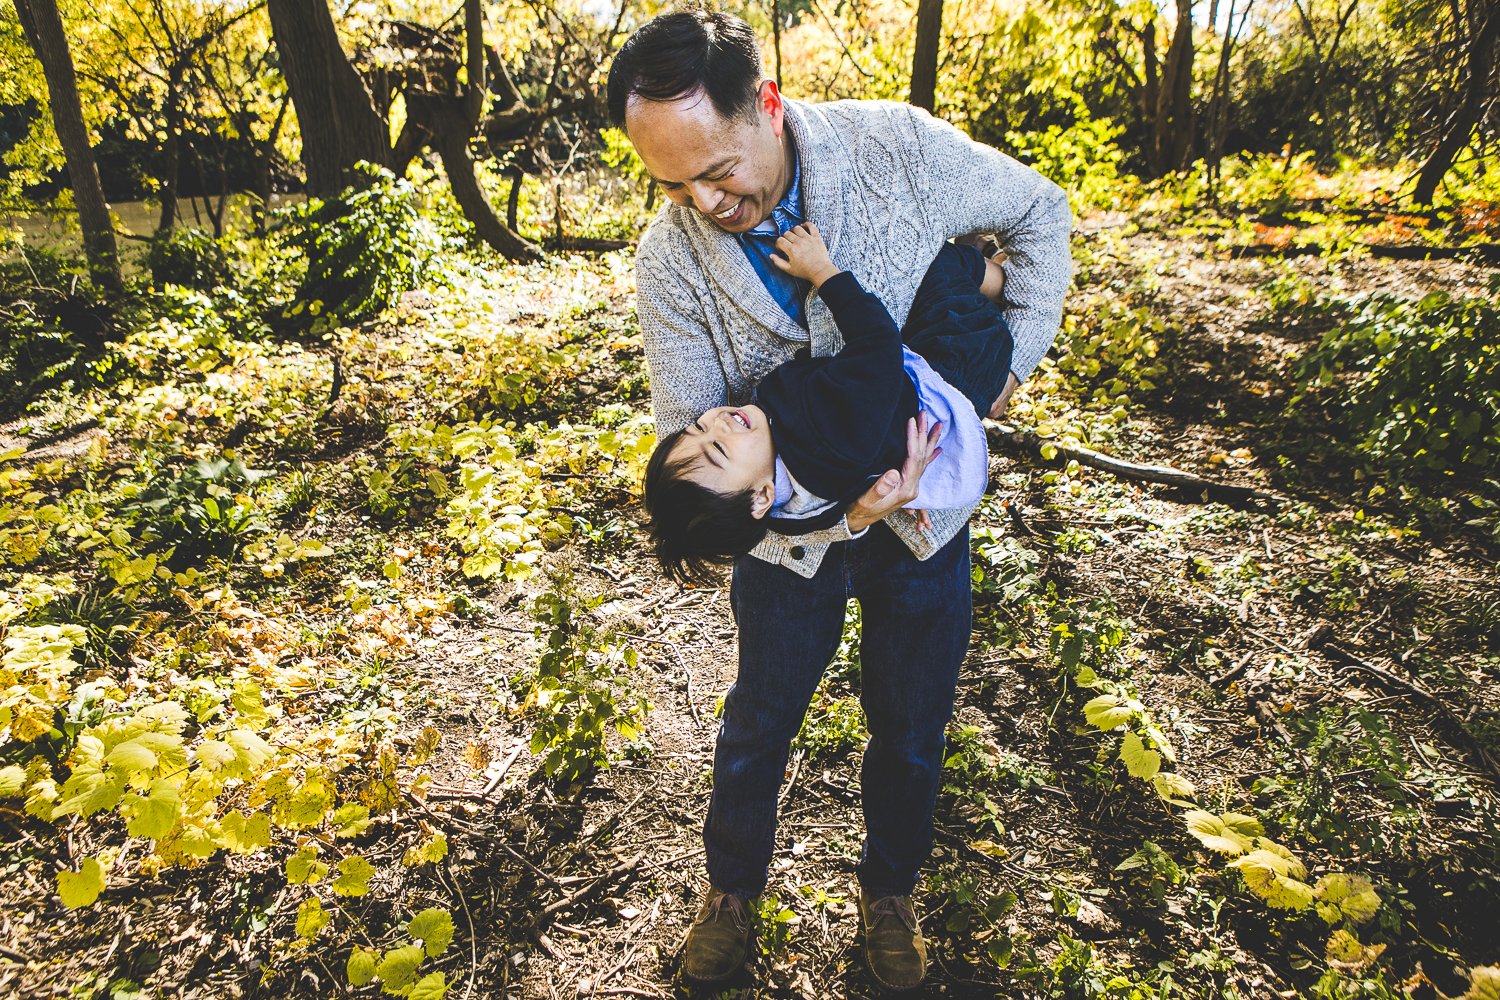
1326	662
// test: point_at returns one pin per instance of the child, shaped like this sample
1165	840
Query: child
825	428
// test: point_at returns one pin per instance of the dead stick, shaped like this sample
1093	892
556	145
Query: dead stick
614	874
1008	435
1422	694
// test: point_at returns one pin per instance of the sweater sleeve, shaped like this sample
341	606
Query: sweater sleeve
687	375
973	188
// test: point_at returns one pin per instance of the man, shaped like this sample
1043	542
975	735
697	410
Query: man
887	185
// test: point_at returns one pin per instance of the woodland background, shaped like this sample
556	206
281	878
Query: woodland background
333	663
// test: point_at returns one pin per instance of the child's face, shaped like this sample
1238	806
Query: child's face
731	450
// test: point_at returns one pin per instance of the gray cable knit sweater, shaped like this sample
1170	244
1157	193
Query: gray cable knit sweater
886	184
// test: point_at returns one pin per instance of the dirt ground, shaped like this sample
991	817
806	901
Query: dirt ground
1278	644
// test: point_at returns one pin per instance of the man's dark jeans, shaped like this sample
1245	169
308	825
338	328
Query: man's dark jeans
916	618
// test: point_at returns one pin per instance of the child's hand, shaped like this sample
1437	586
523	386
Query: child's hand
804	255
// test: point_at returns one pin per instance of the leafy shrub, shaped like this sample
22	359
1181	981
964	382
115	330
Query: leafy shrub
1417	381
188	257
574	697
363	248
1083	158
200	512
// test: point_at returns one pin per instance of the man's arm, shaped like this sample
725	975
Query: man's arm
687	376
973	188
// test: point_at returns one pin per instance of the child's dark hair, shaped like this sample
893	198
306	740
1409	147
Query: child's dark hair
692	527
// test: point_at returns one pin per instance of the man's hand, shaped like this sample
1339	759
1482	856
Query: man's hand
897	488
804	255
1002	402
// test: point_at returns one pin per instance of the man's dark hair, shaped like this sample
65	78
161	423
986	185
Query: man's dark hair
684	52
693	528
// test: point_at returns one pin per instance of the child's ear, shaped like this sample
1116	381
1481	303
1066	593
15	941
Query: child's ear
761	500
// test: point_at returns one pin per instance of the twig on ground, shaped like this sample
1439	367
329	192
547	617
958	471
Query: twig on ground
613	875
1422	694
1028	441
787	788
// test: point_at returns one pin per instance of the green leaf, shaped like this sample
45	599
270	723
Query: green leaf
430	851
432	986
311	918
152	816
1140	762
351	819
1216	835
12	781
1342	896
82	887
246	834
1106	712
361	966
354	876
304	868
434	928
398	968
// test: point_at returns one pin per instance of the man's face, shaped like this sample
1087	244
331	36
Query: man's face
732	170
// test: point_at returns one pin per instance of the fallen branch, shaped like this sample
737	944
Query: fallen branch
567	902
1016	439
1414	689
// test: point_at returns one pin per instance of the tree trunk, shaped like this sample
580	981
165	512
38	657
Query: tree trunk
924	57
1172	137
171	153
776	36
451	123
1151	87
1460	125
43	27
334	108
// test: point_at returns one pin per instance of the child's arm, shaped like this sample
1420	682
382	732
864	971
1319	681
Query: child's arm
804	255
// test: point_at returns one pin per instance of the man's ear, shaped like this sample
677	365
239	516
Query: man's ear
769	101
761	500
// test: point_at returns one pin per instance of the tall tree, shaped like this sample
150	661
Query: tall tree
924	57
1172	128
1483	27
43	26
449	122
337	116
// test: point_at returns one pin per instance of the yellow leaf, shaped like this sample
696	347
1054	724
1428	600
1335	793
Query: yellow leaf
1346	953
1263	875
246	834
354	876
131	756
398	968
82	887
432	986
1172	786
990	848
434	928
1342	896
1140	762
12	781
1106	712
351	819
361	966
152	816
1213	833
430	851
1484	983
311	918
304	868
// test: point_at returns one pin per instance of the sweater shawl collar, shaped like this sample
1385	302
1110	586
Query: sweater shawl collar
724	262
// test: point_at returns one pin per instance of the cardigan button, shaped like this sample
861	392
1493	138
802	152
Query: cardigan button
798	552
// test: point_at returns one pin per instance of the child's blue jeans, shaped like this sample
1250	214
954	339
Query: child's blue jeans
916	618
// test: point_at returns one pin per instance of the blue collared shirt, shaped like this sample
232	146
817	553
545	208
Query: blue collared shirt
790	293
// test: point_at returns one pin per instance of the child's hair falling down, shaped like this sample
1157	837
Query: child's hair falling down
694	529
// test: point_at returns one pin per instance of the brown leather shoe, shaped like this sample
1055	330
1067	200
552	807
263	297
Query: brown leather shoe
718	943
894	949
